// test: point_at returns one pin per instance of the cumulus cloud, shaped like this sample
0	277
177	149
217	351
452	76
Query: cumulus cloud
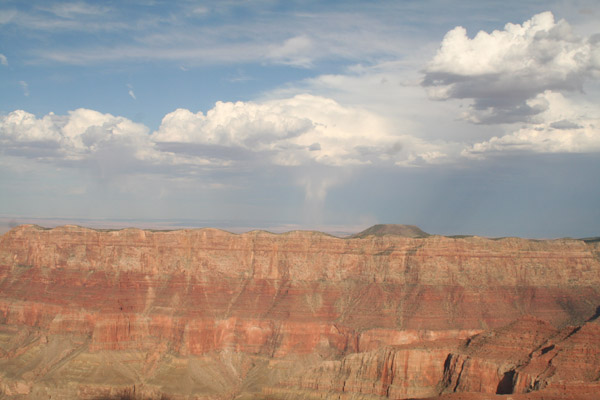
22	127
295	131
562	128
108	146
3	60
503	70
303	130
540	139
300	131
75	137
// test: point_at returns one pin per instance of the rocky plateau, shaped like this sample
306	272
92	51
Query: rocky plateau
391	313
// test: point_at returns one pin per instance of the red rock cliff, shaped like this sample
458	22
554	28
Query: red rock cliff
168	300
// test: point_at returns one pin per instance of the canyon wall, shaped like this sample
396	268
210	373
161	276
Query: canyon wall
210	314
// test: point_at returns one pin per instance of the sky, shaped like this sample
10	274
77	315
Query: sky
461	117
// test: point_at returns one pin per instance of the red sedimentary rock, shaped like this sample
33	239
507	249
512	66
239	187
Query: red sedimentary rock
208	313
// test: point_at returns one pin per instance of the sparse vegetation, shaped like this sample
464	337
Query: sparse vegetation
592	239
410	231
130	394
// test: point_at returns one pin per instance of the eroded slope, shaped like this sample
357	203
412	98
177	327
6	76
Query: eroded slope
209	313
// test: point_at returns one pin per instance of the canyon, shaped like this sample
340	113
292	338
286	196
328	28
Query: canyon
391	313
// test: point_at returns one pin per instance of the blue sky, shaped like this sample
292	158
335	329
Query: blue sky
461	117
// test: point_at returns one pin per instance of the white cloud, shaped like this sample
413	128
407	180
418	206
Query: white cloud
72	10
392	91
3	59
76	136
501	70
104	144
130	91
67	16
297	39
297	51
562	128
540	139
201	10
248	125
25	88
20	126
298	131
292	131
434	156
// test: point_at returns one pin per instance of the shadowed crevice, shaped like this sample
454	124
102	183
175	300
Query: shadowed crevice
505	386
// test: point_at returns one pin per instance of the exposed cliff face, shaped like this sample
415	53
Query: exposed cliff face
390	372
209	313
528	356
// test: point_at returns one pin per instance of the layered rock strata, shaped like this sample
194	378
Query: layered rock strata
201	313
528	358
